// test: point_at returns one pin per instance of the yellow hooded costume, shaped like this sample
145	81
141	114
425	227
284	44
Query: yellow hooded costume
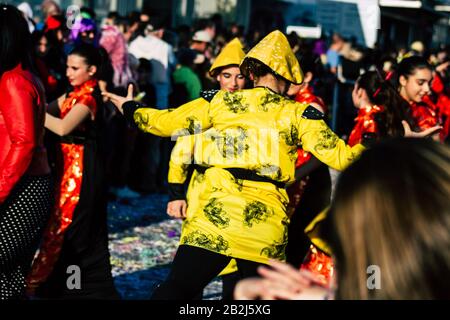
231	54
275	52
245	158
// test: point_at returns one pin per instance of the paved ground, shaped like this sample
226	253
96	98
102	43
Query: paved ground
142	243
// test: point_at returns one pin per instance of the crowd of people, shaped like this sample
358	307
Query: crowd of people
235	129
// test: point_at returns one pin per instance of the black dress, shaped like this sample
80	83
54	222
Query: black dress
82	268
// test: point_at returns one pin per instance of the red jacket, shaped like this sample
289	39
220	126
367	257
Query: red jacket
22	116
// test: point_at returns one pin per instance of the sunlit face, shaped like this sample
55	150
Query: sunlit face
231	79
414	87
78	72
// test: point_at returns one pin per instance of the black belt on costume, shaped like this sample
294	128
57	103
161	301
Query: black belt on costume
73	139
244	174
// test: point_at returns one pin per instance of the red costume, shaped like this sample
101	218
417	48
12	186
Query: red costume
442	105
26	189
22	116
365	123
425	113
68	192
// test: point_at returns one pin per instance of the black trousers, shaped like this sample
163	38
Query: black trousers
193	269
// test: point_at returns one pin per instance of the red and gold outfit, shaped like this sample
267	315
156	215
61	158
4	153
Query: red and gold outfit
365	123
68	192
320	264
425	113
442	105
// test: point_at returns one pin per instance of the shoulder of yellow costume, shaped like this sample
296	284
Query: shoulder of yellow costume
312	113
208	95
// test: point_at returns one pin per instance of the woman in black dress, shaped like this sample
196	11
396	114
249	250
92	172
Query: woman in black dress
73	261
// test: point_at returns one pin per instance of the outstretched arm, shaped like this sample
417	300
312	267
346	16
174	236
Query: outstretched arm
423	134
190	118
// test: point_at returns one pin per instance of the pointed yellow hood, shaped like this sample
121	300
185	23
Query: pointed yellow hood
232	53
274	51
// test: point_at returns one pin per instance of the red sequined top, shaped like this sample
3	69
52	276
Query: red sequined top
425	113
365	123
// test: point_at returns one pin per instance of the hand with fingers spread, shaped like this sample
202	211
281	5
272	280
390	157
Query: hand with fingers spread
289	283
117	100
423	134
177	209
282	281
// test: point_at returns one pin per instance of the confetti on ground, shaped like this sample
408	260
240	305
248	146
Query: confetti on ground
142	242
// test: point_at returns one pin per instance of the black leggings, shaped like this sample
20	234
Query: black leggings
193	269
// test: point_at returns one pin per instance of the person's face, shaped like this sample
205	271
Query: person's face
42	47
231	79
78	72
414	87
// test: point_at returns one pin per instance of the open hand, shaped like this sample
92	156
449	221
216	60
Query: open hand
423	134
117	100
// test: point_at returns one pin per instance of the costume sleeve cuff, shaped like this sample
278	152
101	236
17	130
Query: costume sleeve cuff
176	191
369	139
129	108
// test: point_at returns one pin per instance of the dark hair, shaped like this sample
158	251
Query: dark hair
114	15
408	67
258	69
15	40
89	53
381	93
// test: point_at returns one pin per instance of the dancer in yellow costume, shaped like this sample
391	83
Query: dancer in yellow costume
227	73
246	158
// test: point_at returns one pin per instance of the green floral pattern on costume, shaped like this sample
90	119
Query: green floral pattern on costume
232	143
290	136
234	102
207	241
141	120
277	250
215	214
239	183
270	170
267	99
198	178
193	125
327	140
256	212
